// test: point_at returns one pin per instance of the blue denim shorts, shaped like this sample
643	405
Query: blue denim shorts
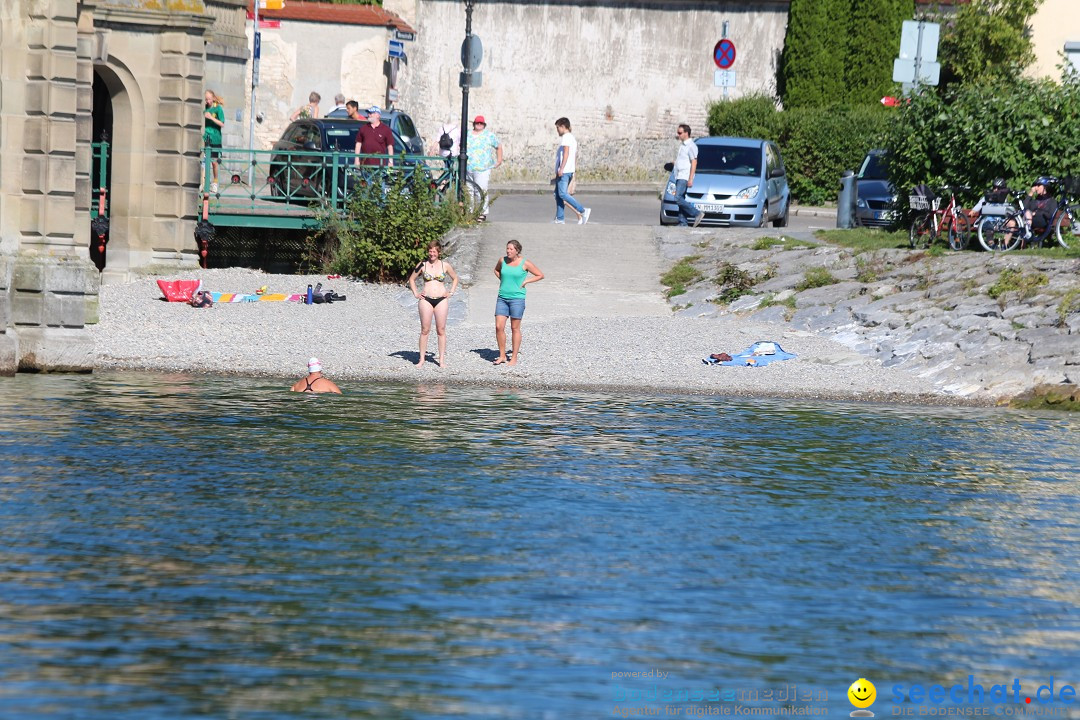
510	307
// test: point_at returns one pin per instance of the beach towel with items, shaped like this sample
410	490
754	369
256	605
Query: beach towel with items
759	354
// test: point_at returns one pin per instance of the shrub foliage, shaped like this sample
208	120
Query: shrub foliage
382	234
817	144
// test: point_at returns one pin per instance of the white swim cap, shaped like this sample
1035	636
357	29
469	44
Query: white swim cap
314	365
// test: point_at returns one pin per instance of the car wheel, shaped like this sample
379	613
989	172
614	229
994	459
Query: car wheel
764	215
782	221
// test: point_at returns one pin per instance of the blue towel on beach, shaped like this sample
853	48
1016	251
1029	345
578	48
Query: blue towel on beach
739	360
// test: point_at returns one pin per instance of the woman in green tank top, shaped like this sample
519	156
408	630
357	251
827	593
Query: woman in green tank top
514	273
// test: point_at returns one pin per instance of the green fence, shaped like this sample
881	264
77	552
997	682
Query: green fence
99	180
274	188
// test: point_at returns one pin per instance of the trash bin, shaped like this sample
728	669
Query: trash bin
845	201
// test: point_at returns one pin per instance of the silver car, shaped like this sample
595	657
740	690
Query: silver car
739	181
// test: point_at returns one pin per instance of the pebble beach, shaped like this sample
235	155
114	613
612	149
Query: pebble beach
578	332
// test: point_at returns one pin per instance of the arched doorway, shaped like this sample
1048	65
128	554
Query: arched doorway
101	169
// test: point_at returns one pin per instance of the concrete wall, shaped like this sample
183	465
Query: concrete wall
300	57
227	52
625	73
1057	22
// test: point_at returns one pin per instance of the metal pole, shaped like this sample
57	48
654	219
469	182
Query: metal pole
251	119
723	34
918	55
463	158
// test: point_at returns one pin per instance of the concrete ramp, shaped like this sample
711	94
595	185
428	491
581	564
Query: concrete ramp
589	271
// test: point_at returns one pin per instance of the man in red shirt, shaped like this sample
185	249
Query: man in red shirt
374	139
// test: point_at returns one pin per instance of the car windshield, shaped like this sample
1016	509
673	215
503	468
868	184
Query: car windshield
341	139
874	167
725	160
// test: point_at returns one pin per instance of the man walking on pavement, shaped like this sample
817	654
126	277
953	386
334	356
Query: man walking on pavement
565	166
685	168
485	154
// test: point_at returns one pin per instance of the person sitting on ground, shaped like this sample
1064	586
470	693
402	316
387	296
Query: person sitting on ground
1041	206
309	110
315	382
340	110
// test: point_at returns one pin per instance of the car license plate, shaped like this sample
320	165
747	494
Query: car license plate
710	208
884	215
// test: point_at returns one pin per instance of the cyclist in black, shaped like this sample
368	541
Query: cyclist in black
1040	206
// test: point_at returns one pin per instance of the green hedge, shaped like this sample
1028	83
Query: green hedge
818	144
1017	128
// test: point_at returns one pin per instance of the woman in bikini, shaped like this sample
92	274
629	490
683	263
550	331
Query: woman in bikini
514	273
434	301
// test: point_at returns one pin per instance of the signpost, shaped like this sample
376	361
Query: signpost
723	55
404	36
917	64
397	49
472	52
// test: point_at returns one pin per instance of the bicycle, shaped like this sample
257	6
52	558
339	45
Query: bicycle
930	219
445	185
1067	224
1014	230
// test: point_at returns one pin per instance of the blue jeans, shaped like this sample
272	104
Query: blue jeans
509	307
562	197
686	210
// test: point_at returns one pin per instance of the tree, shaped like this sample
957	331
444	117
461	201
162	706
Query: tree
873	45
814	49
987	40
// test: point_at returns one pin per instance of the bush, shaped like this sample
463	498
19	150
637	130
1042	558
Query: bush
817	144
1017	128
381	236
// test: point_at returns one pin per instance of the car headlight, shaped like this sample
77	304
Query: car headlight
747	193
860	203
670	189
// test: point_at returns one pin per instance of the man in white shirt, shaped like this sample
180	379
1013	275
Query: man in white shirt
340	110
565	166
685	167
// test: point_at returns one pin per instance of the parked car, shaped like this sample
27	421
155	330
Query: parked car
308	176
404	130
876	198
739	181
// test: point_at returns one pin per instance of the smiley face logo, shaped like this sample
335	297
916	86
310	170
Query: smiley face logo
862	694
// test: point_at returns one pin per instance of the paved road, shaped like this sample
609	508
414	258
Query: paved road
610	210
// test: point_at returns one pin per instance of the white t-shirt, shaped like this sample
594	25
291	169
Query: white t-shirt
569	142
688	151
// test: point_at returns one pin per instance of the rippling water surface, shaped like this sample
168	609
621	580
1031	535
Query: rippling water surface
184	547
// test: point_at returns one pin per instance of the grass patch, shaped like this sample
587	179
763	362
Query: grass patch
785	243
816	277
1011	280
734	283
1055	252
770	301
680	275
871	268
1070	303
864	239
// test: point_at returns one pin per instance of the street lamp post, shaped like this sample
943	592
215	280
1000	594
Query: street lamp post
466	81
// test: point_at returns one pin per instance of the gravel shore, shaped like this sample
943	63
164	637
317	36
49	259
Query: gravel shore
372	336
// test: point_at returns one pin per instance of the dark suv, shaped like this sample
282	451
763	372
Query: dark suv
875	204
311	176
404	130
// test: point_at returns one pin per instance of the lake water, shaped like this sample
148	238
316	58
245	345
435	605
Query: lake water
187	547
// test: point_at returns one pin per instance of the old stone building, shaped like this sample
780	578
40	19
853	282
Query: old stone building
74	74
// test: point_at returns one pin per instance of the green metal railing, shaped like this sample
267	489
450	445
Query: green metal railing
273	188
99	180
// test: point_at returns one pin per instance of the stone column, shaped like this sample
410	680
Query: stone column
49	282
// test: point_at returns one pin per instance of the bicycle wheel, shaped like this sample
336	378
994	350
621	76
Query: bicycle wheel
960	231
1067	229
1004	235
475	199
922	232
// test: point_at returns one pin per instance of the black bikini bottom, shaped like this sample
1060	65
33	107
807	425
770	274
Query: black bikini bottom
434	301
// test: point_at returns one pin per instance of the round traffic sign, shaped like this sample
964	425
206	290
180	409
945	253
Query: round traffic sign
724	54
472	52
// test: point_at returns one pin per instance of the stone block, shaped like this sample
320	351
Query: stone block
169	203
63	310
1065	348
174	66
61	136
9	353
60	217
27	308
168	169
61	175
172	89
170	140
172	114
175	42
60	37
193	116
34	177
55	350
193	90
28	276
92	309
61	99
71	277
